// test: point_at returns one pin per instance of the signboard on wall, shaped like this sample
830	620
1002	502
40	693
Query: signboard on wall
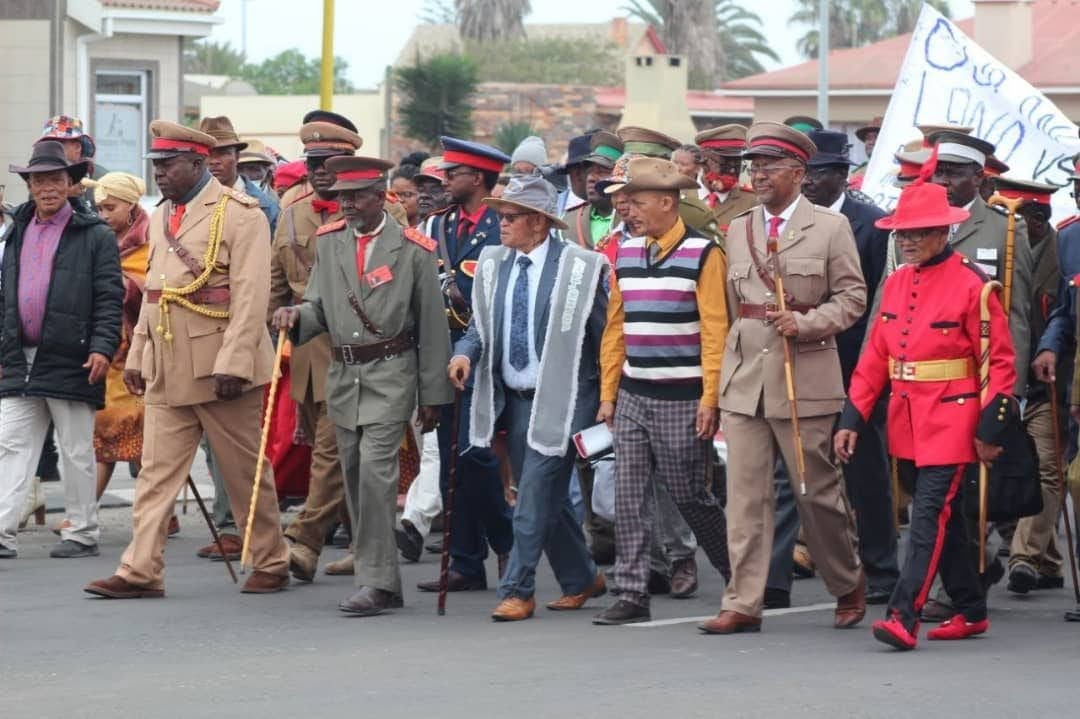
118	134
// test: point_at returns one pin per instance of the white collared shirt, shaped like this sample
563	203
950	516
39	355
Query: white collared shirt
525	378
785	215
835	207
371	243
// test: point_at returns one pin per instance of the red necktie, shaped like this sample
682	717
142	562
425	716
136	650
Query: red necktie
712	200
361	250
330	206
774	233
175	216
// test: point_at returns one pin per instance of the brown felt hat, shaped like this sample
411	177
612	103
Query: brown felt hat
168	139
255	152
221	129
358	173
874	126
651	173
322	139
48	156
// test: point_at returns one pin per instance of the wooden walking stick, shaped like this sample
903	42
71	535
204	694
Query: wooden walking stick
448	506
1059	457
210	524
245	554
1012	205
789	379
984	387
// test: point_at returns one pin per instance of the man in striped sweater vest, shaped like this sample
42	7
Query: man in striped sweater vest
660	366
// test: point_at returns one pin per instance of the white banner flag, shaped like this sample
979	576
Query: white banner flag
947	79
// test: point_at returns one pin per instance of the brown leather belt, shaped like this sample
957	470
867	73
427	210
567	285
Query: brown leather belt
205	296
362	354
757	312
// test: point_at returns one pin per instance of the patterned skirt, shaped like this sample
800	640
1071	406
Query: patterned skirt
118	429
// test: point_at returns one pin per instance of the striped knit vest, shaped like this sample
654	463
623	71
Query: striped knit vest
662	327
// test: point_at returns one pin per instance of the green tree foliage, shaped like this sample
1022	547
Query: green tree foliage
212	58
552	60
489	20
509	135
854	23
290	73
436	97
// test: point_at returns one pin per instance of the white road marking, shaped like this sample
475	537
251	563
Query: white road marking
768	613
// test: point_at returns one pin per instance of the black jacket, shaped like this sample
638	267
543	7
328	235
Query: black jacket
82	312
873	246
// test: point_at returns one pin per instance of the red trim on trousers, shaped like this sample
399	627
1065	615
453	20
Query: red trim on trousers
939	541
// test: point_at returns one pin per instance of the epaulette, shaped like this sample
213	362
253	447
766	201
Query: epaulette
747	211
578	206
419	238
975	268
242	197
1067	221
331	227
1000	209
858	195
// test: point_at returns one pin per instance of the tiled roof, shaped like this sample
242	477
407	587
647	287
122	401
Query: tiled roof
1055	61
174	5
699	102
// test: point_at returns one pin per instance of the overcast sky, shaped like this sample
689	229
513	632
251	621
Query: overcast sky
369	34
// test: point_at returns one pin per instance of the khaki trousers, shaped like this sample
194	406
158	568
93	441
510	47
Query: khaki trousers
1033	542
824	512
170	438
325	503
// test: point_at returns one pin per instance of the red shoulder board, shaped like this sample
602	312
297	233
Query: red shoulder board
468	268
1068	221
417	237
331	227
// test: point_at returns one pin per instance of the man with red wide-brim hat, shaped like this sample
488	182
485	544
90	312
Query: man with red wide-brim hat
926	341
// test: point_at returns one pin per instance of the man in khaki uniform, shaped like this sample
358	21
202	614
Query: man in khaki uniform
290	267
200	355
375	291
723	147
825	294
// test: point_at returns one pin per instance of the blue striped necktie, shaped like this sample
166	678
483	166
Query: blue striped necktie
519	317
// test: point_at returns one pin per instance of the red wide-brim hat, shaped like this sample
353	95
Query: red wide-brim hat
922	206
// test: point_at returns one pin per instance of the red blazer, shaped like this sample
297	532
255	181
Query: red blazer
931	312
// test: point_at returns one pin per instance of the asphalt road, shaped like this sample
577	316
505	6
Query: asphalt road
207	651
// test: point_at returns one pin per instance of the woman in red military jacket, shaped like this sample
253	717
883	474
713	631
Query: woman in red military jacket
926	341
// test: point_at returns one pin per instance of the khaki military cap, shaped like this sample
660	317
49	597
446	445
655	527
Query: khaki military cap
168	139
995	167
256	152
725	140
221	129
928	130
604	149
651	173
431	169
358	173
322	139
643	141
774	139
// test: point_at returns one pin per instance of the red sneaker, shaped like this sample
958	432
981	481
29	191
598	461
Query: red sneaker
958	628
893	632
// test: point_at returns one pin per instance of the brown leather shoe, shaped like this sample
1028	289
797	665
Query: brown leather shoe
455	582
731	622
369	601
231	542
265	583
802	563
303	561
116	587
343	566
568	602
174	526
851	608
514	609
683	578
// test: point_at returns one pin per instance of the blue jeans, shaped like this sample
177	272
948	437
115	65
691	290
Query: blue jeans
544	519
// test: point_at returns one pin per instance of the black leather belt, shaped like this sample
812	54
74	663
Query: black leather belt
526	394
362	354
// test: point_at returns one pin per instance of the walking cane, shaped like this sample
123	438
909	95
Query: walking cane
789	379
1058	456
448	507
210	524
997	200
984	387
245	554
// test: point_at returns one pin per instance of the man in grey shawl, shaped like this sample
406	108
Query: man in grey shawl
533	345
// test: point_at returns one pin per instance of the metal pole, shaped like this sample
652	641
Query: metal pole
823	63
326	83
243	28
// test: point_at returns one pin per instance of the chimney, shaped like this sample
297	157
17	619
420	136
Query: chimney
620	32
656	95
1004	29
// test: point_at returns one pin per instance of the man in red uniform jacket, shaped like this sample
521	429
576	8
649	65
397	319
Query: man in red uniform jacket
926	340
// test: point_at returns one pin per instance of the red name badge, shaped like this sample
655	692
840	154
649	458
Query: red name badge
378	276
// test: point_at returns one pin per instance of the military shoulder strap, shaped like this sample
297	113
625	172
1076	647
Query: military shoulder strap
330	227
179	250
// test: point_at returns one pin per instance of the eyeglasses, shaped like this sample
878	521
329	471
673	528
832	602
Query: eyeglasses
913	236
509	217
769	170
458	173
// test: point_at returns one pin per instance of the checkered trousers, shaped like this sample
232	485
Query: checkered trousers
655	441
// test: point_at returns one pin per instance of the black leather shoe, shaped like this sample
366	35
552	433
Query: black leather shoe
622	612
658	583
455	582
409	541
1022	579
935	611
878	595
684	580
1048	582
992	575
777	598
368	602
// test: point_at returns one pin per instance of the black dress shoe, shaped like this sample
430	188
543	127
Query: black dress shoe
622	612
777	598
1048	582
878	595
1022	579
341	536
992	575
935	611
455	582
409	541
658	583
684	578
369	601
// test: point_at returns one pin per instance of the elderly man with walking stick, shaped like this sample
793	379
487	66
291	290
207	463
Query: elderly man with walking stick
199	357
793	284
375	290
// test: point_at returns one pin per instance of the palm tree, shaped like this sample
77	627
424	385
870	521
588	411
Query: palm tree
436	97
487	20
718	37
854	23
213	58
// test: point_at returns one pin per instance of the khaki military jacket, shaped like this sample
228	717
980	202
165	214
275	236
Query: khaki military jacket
738	201
400	290
180	372
820	266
